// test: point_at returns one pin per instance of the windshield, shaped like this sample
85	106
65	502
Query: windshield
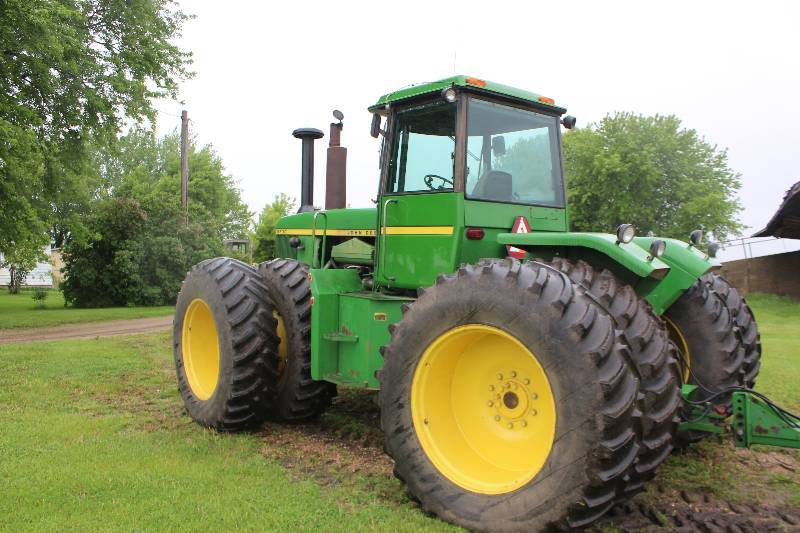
512	155
423	151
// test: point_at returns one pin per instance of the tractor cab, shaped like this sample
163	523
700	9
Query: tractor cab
462	159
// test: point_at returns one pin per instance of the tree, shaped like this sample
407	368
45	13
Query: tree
148	169
138	244
264	238
650	172
70	73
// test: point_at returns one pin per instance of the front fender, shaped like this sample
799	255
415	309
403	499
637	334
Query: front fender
679	254
629	255
687	264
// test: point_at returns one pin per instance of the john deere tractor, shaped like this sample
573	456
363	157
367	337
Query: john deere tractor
528	375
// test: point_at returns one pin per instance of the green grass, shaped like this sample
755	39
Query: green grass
20	311
778	321
94	437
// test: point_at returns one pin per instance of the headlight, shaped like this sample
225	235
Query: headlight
625	233
449	94
657	248
713	248
696	237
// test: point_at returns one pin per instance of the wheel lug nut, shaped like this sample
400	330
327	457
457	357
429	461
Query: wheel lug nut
499	376
491	403
491	387
511	425
534	395
526	381
513	374
497	418
533	412
524	423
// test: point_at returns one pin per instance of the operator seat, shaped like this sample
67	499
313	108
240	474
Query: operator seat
494	185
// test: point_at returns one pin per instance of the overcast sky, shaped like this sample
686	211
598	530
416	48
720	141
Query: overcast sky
730	70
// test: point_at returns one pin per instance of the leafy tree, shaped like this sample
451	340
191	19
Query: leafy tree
148	169
71	71
651	172
138	242
264	239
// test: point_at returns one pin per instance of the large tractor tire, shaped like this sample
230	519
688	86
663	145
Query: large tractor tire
296	396
653	356
712	354
225	352
507	400
745	321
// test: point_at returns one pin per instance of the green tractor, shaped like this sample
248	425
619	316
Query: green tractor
528	375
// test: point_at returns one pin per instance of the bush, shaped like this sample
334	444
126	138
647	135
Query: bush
39	296
134	258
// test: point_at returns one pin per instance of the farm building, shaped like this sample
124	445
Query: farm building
40	276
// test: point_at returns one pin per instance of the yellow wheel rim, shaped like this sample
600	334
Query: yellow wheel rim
483	409
283	347
676	336
200	349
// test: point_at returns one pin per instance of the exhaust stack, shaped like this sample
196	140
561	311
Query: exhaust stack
336	171
308	136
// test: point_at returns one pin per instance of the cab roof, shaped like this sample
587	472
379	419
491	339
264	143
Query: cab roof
471	83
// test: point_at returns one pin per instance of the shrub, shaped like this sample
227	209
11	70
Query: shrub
39	296
134	258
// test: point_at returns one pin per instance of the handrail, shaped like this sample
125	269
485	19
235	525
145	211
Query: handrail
314	237
382	261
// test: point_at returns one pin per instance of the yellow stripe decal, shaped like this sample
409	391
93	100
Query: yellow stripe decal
330	232
391	230
419	230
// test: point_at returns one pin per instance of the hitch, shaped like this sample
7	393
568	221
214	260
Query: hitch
754	420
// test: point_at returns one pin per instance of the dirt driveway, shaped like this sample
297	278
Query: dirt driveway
88	330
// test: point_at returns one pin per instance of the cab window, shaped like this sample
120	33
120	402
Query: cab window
423	151
512	155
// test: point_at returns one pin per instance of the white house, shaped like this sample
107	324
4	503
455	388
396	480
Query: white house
40	276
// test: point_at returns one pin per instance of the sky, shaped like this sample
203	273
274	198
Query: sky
730	70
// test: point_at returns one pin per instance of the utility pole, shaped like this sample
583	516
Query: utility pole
185	162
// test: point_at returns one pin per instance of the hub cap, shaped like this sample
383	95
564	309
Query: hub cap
200	349
483	409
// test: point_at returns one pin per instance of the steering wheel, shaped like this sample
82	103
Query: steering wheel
428	179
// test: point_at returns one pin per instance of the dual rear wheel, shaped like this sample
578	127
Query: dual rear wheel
241	344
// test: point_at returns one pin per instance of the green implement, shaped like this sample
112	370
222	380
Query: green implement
754	420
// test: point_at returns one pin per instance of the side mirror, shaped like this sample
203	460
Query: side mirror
569	122
499	146
375	129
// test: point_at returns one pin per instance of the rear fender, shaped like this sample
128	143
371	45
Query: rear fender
660	281
629	255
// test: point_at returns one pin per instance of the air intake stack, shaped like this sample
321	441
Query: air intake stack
308	136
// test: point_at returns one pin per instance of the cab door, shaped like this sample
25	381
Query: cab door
420	212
